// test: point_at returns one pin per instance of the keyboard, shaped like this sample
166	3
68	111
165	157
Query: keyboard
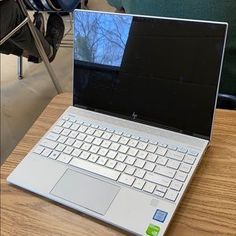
151	166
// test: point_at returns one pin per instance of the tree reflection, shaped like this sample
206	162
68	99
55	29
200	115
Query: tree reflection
101	38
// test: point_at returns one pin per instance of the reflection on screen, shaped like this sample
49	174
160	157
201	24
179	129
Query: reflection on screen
165	72
101	38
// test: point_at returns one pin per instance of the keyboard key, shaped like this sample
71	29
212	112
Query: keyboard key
126	135
152	157
172	147
162	160
161	189
165	171
114	146
65	132
93	157
176	185
175	155
39	149
189	159
193	152
123	140
139	163
57	129
98	133
48	143
173	164
111	163
70	141
115	138
106	144
139	173
126	179
151	148
129	170
86	146
145	140
64	158
60	147
52	136
161	151
181	176
159	194
74	126
94	149
138	183
110	130
60	122
73	134
130	160
82	128
171	195
132	152
84	155
120	157
67	124
87	124
81	136
158	179
132	143
142	145
97	141
111	154
142	154
102	161
185	167
120	166
162	145
89	139
78	144
103	151
182	150
90	131
149	187
149	166
54	155
123	149
76	152
106	135
94	168
62	139
68	150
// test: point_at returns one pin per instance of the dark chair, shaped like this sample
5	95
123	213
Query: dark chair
226	101
52	5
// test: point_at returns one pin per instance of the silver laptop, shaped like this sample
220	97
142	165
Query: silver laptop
145	91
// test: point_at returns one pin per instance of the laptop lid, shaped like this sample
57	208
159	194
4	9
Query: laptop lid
158	71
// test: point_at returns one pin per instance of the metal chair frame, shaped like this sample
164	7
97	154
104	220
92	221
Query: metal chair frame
39	46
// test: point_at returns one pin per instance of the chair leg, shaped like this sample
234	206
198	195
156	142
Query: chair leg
20	67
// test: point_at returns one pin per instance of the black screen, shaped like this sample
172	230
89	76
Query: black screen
156	71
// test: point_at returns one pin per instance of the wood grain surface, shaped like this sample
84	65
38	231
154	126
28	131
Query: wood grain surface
208	208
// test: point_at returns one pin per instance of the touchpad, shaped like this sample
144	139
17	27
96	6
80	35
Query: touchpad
86	191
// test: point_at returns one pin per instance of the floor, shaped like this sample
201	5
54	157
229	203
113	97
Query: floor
22	101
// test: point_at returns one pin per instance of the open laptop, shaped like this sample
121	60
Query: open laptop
145	91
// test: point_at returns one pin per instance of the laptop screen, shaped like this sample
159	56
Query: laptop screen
161	72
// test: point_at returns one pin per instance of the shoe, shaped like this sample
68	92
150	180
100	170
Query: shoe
39	22
55	33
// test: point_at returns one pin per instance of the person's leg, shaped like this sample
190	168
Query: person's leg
10	48
12	16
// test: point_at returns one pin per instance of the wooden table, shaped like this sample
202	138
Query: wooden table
208	208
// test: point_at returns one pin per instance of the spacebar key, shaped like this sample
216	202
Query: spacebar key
96	169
